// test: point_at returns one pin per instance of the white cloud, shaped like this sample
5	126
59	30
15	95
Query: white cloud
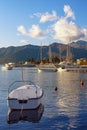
48	17
68	11
66	30
85	34
24	41
37	14
22	30
36	32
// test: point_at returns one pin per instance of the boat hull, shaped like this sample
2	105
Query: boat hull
7	68
24	104
28	96
72	69
47	69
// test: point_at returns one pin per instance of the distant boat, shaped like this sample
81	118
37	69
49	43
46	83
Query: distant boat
50	67
27	96
66	66
7	67
47	67
26	64
69	67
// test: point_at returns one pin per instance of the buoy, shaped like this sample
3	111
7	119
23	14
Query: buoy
82	83
56	88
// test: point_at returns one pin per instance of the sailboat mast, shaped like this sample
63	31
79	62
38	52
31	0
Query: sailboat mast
50	55
68	53
60	53
41	53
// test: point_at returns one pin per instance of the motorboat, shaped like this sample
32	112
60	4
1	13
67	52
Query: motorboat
7	67
26	96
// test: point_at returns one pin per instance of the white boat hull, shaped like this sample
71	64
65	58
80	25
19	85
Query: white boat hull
47	69
7	68
24	104
72	69
61	70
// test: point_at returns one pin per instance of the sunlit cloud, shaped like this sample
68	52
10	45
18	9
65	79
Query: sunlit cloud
37	14
24	41
68	12
36	32
63	29
48	17
66	30
44	17
22	29
85	33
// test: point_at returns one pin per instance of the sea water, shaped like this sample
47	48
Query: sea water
64	109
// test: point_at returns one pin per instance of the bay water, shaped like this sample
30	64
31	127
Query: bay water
64	109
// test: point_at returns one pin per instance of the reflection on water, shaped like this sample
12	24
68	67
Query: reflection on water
65	109
33	115
71	97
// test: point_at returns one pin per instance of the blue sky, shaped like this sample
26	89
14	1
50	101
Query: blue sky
42	21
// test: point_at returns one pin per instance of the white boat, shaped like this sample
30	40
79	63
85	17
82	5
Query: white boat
28	96
50	67
63	66
77	69
7	67
69	67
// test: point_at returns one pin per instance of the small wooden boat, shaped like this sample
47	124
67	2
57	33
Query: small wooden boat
26	96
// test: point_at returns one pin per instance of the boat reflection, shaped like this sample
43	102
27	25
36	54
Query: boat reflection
31	115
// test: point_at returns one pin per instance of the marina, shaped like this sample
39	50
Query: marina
43	65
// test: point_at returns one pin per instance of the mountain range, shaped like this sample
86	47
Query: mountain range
23	53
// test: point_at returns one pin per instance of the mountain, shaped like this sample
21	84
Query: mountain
24	53
79	44
16	54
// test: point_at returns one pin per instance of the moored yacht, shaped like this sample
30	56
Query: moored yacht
69	67
50	67
7	67
47	67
